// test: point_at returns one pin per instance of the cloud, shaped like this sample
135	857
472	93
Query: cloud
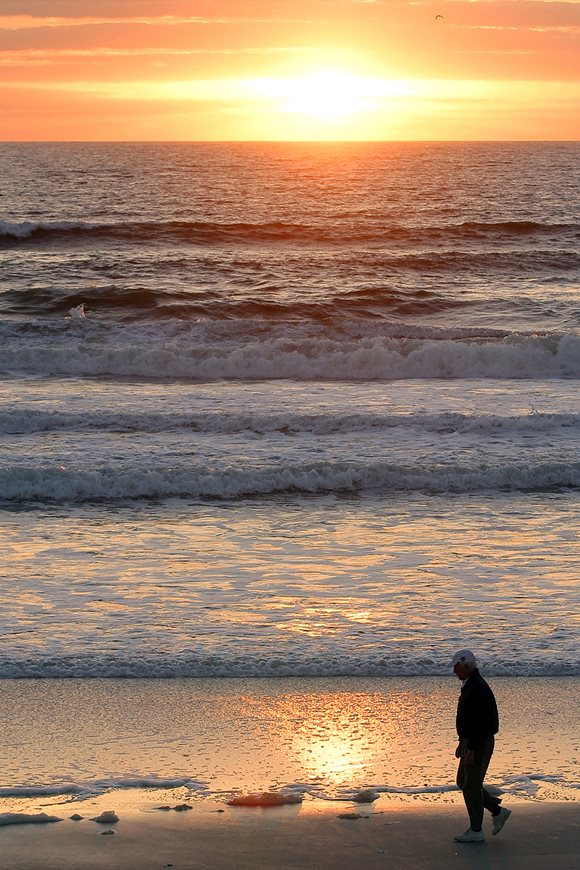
27	22
40	57
573	29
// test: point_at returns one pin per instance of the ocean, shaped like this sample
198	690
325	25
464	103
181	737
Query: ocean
288	410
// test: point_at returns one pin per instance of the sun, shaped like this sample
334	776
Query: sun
326	95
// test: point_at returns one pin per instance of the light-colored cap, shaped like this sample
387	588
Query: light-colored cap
464	657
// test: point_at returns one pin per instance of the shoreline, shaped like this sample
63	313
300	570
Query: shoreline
310	835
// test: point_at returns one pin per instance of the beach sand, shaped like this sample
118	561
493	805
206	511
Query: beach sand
537	836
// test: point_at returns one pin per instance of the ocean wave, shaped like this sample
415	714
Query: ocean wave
375	358
516	227
385	291
59	484
260	302
215	233
256	663
18	420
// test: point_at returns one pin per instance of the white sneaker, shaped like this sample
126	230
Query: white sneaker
500	820
470	836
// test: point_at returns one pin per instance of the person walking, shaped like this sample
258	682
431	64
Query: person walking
477	724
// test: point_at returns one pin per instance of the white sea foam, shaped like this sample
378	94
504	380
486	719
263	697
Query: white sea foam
299	663
78	312
27	420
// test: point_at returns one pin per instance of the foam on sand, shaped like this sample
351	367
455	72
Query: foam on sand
96	787
27	819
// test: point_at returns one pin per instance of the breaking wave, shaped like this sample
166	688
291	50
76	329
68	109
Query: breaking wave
59	484
375	358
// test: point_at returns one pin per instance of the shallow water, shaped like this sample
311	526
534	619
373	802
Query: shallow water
333	585
287	410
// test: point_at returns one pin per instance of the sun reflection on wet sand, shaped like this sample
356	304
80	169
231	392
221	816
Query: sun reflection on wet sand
330	737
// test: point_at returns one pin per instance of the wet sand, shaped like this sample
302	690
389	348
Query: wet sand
311	836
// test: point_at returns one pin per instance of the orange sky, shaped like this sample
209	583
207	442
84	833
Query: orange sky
289	69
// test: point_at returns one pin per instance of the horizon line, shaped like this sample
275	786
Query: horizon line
281	141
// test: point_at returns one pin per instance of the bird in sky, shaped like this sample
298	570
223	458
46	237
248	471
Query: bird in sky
439	16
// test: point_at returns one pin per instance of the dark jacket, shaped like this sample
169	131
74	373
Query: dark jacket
477	716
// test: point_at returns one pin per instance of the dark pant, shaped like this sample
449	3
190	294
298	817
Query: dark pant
470	780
